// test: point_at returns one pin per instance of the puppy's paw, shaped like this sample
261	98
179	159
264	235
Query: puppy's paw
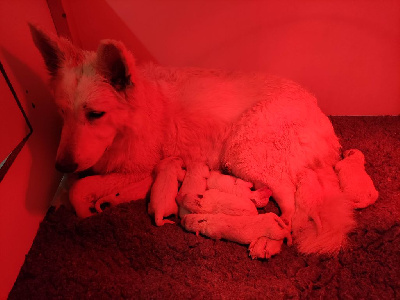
264	248
199	223
261	196
194	223
161	221
192	203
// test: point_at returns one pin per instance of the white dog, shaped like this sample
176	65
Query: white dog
121	120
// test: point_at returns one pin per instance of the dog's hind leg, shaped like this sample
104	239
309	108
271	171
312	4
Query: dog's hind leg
283	192
309	196
285	199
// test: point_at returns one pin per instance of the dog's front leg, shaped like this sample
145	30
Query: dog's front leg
88	194
133	191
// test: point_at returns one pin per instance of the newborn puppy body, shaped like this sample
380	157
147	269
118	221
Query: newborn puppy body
168	174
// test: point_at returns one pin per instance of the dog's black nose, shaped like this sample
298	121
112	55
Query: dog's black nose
66	167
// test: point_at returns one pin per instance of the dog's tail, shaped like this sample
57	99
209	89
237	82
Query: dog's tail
323	226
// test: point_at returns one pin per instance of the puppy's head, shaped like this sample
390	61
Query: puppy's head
354	155
90	90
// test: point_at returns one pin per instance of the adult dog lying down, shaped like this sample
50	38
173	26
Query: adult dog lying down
121	120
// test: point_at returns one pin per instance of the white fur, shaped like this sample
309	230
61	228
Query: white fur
214	202
309	197
323	216
264	247
205	192
165	188
236	186
195	181
240	229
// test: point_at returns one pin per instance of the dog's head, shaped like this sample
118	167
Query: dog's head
90	90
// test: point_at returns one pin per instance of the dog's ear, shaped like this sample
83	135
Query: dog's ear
116	64
56	51
49	49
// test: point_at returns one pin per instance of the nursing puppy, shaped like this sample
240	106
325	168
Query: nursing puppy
121	120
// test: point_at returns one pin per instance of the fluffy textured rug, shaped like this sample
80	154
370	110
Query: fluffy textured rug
121	254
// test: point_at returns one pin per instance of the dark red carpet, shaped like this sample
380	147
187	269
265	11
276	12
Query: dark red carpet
121	254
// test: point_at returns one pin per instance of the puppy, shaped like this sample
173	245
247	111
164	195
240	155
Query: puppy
168	174
354	180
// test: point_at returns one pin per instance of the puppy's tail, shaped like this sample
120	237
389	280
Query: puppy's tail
323	227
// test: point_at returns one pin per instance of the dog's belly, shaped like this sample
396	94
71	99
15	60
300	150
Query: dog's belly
273	141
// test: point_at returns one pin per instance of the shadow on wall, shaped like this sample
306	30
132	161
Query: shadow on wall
42	114
100	23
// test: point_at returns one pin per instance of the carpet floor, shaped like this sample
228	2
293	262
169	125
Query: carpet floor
121	254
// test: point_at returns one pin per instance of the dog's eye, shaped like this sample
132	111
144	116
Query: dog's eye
94	115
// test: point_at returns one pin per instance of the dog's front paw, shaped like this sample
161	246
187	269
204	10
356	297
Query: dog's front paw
84	207
264	247
83	196
105	202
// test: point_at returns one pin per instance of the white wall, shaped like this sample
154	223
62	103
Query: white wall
29	185
345	52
